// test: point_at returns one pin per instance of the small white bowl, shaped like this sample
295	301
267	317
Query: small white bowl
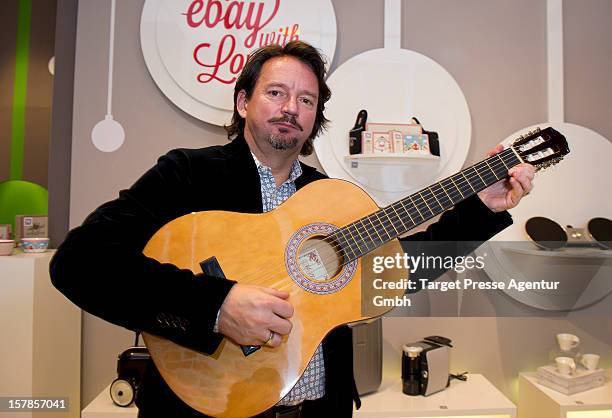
34	245
6	246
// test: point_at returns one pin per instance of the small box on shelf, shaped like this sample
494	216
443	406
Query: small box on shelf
31	226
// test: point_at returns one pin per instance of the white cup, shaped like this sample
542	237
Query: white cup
590	361
567	342
565	365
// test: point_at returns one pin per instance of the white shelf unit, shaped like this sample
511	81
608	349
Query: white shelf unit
476	397
392	158
40	330
537	401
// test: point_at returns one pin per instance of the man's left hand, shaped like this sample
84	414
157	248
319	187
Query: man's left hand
507	193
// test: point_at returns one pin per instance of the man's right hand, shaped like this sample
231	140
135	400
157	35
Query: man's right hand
250	313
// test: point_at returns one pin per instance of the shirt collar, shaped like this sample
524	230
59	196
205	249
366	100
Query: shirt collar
296	169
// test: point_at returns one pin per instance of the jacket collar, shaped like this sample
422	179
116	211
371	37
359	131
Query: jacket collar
239	153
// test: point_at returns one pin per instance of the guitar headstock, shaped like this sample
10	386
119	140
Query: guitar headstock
541	147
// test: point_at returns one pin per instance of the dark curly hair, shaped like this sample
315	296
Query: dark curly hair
250	74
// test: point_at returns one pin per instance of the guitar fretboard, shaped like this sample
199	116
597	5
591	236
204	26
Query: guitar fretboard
366	234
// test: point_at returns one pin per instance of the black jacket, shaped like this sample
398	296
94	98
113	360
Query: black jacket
101	268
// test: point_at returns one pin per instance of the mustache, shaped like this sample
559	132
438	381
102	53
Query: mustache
287	119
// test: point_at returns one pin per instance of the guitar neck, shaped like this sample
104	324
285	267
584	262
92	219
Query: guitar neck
368	233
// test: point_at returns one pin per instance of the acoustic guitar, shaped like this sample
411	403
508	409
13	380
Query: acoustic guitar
310	246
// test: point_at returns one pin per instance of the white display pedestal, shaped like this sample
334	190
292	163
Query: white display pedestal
476	397
103	407
40	330
537	401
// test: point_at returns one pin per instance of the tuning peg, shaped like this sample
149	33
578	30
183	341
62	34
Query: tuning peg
517	139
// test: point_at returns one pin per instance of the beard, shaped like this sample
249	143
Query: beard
282	142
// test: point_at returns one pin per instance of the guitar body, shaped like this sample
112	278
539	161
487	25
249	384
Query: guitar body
269	250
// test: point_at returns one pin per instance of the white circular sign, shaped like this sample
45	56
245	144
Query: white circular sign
195	49
570	193
394	85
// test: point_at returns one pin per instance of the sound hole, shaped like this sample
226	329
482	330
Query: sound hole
546	233
601	231
319	259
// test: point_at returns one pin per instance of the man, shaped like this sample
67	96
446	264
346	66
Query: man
279	100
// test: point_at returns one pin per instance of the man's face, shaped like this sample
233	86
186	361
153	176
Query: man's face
281	111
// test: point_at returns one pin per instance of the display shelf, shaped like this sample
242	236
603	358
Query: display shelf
566	252
537	401
582	274
392	173
399	159
476	397
40	330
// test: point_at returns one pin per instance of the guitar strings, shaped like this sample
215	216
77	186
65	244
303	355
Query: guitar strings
421	210
429	202
461	181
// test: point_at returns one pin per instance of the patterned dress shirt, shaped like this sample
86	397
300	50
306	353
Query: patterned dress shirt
312	383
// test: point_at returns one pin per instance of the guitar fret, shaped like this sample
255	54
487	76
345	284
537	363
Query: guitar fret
501	159
382	226
476	179
407	212
417	208
374	228
350	246
450	201
400	218
492	171
431	191
388	217
404	223
448	196
366	231
467	181
425	200
458	189
425	208
487	172
364	242
448	186
499	171
432	202
379	227
477	172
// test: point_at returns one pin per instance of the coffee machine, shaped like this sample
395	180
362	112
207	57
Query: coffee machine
426	366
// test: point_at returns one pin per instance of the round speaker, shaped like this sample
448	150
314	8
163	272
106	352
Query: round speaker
600	230
545	233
